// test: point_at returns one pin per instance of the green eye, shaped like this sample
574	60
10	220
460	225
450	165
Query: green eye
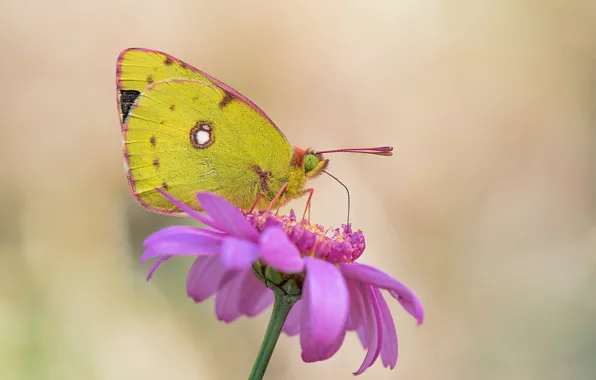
310	162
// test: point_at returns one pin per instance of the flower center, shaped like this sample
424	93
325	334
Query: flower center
336	245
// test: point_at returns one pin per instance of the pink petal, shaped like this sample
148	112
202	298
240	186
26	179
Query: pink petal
362	333
357	316
255	298
227	277
389	349
205	277
182	206
414	307
226	217
375	328
238	253
181	244
377	278
180	232
292	325
324	312
227	299
357	313
278	251
154	266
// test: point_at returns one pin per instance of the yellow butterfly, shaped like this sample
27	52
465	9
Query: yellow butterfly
184	131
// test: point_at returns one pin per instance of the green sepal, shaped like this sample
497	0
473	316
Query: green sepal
291	288
273	276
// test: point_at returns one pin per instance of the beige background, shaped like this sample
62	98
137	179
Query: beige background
487	209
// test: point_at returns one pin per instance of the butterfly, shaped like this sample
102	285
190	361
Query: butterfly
185	131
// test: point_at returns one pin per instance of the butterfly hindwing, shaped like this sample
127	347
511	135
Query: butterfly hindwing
186	136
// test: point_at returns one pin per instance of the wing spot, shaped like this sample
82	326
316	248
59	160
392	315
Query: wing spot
168	61
152	141
226	100
156	163
165	186
201	135
173	107
150	79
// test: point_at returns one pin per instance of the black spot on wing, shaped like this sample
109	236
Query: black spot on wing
127	99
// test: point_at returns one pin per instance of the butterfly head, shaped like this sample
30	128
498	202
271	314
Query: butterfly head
311	161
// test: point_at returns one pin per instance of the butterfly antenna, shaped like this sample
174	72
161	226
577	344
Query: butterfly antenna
379	151
345	187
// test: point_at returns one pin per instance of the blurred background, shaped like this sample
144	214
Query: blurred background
487	209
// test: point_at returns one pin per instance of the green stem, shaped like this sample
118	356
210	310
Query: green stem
281	308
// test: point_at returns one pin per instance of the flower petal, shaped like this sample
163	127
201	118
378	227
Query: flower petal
362	332
154	266
324	312
255	298
278	251
238	253
226	217
180	232
205	277
185	208
389	349
375	328
180	241
292	325
413	307
227	299
357	316
380	279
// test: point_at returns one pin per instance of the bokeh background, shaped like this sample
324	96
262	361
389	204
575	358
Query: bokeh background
487	209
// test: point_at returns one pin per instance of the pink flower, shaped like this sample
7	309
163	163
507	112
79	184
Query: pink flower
238	251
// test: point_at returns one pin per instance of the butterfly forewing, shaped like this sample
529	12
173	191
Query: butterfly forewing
138	68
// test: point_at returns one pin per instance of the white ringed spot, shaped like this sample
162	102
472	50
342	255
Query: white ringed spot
201	135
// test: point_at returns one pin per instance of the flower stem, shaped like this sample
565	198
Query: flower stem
281	308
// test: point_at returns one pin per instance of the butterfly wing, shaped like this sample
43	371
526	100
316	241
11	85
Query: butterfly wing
138	68
186	133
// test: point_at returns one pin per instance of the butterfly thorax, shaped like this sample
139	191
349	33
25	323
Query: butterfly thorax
305	164
271	185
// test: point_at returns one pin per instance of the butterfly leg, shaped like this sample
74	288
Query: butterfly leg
307	208
259	196
279	193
